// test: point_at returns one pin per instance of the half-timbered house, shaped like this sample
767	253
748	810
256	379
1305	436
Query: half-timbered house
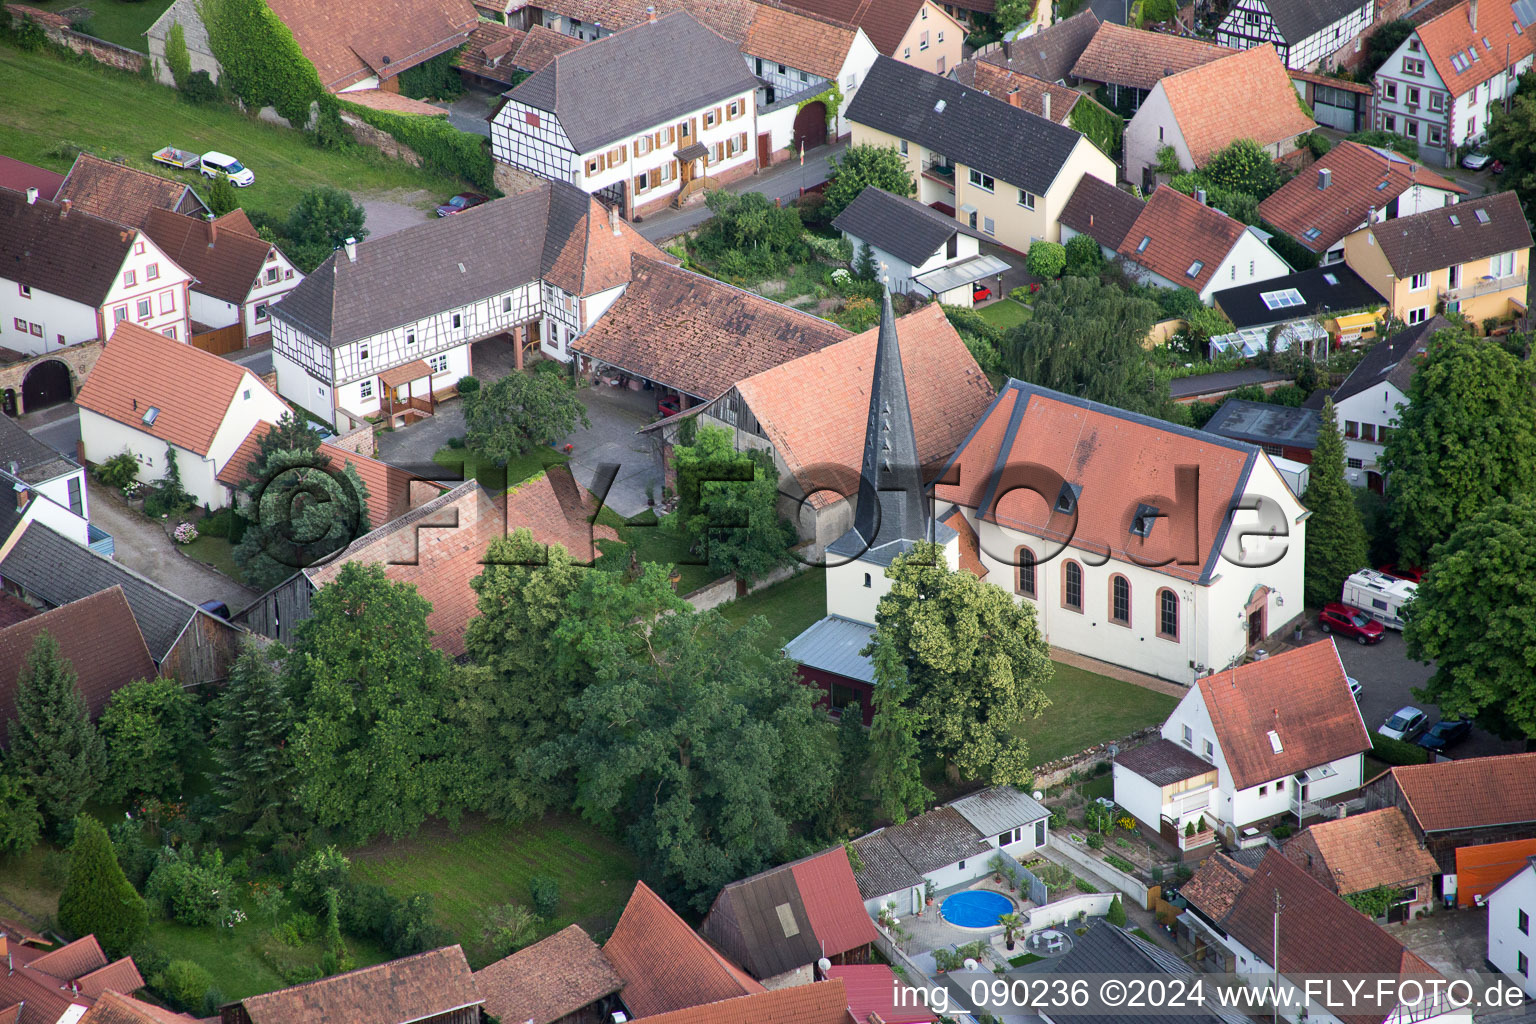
1305	33
353	341
597	118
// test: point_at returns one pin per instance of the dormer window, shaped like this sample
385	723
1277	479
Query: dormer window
1066	501
1141	522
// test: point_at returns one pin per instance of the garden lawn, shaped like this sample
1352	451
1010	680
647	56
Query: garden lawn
791	607
462	461
118	21
117	114
490	863
234	957
216	552
1005	313
1087	708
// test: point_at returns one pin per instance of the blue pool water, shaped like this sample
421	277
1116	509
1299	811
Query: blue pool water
975	908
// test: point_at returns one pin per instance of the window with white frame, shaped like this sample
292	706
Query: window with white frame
988	226
1026	199
130	278
261	312
152	272
119	314
1413	66
438	363
1389	91
1502	265
984	182
169	332
168	302
146	309
365	389
1418	316
1437	102
1418	282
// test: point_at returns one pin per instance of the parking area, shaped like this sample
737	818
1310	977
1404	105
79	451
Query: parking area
143	546
1452	941
616	415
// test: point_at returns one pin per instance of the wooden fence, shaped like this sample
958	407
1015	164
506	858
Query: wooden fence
220	341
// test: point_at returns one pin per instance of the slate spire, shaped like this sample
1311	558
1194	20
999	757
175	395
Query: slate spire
891	506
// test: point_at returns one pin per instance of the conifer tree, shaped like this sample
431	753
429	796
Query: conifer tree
98	899
253	720
1336	541
56	752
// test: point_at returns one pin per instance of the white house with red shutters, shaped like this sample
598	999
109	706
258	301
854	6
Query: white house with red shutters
67	277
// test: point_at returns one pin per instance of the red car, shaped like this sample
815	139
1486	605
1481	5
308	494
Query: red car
1347	621
981	293
1411	573
667	407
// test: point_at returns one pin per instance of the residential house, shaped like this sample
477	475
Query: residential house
1348	186
1307	34
60	986
148	394
665	965
561	979
1008	181
1102	211
1282	431
824	1002
435	987
1176	241
71	277
661	146
97	635
44	485
199	52
112	1008
810	412
439	546
536	268
355	47
1456	804
1257	101
1473	257
1116	953
1284	734
125	195
1308	310
693	337
1368	401
237	275
1049	54
185	642
1234	923
18	176
916	32
1510	909
1442	83
1045	99
917	250
948	846
499	56
1128	63
1165	779
1482	869
1342	105
779	924
1367	851
1141	552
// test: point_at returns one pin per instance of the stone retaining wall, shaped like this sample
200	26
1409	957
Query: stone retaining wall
1053	773
57	29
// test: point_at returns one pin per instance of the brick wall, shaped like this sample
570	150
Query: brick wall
79	358
359	441
379	139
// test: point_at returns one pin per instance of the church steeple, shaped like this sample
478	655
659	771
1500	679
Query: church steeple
891	508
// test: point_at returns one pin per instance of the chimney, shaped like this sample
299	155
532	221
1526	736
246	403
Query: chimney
63	207
1014	99
613	220
1045	103
22	497
1472	14
1324	178
213	232
31	195
1200	196
351	244
650	13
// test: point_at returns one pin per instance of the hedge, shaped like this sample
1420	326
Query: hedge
1288	249
1396	752
441	146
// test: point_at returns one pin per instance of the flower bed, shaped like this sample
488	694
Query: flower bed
185	533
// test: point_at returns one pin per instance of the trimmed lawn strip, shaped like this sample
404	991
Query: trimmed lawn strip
1005	313
791	607
216	552
234	957
118	114
490	863
123	23
1087	708
492	477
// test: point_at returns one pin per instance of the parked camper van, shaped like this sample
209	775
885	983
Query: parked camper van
1378	595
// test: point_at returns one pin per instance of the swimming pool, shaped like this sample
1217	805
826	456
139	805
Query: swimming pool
975	908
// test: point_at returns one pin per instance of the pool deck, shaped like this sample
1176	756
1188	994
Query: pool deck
930	931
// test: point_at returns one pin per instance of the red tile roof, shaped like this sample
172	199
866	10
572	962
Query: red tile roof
1301	697
1450	33
237	471
1362	851
884	21
1128	56
539	46
1362	88
440	546
553	977
1111	455
1216	886
1360	179
814	408
120	976
1020	90
1180	231
832	902
20	176
970	544
389	488
113	1008
393	103
408	989
45	983
822	1002
74	960
600	253
13	609
1472	793
665	965
121	194
797	40
1244	95
227	264
348	42
487	47
192	389
99	637
871	989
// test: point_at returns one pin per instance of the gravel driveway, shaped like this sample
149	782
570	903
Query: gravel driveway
142	546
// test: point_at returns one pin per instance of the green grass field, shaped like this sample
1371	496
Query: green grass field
1005	313
489	863
216	552
118	21
791	607
1087	708
115	114
462	464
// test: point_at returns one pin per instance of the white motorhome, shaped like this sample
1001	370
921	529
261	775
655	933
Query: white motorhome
1378	595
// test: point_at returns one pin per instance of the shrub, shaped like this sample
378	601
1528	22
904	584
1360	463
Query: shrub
544	894
177	58
1288	395
119	471
97	898
1083	886
189	888
441	146
507	928
1396	752
1318	144
185	533
149	959
1046	259
222	197
201	89
322	870
1281	831
467	386
1083	254
183	983
1095	841
1116	914
436	79
1118	862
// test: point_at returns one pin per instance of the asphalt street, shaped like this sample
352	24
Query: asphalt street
782	182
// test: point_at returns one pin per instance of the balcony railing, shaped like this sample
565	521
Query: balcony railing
1483	286
1188	805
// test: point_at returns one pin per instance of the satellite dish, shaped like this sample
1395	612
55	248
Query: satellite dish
1039	795
823	965
970	964
1114	749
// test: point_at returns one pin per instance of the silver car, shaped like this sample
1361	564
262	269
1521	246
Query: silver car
1407	723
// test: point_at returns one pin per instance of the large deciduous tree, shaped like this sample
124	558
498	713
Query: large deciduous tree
56	752
253	722
975	661
304	510
371	752
729	505
1472	617
149	728
511	416
895	749
1466	439
1512	140
866	166
97	898
1336	540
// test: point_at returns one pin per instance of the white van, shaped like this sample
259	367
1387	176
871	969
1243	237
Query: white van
215	164
1378	595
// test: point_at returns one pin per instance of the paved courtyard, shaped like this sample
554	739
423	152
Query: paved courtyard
142	546
1454	942
616	415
